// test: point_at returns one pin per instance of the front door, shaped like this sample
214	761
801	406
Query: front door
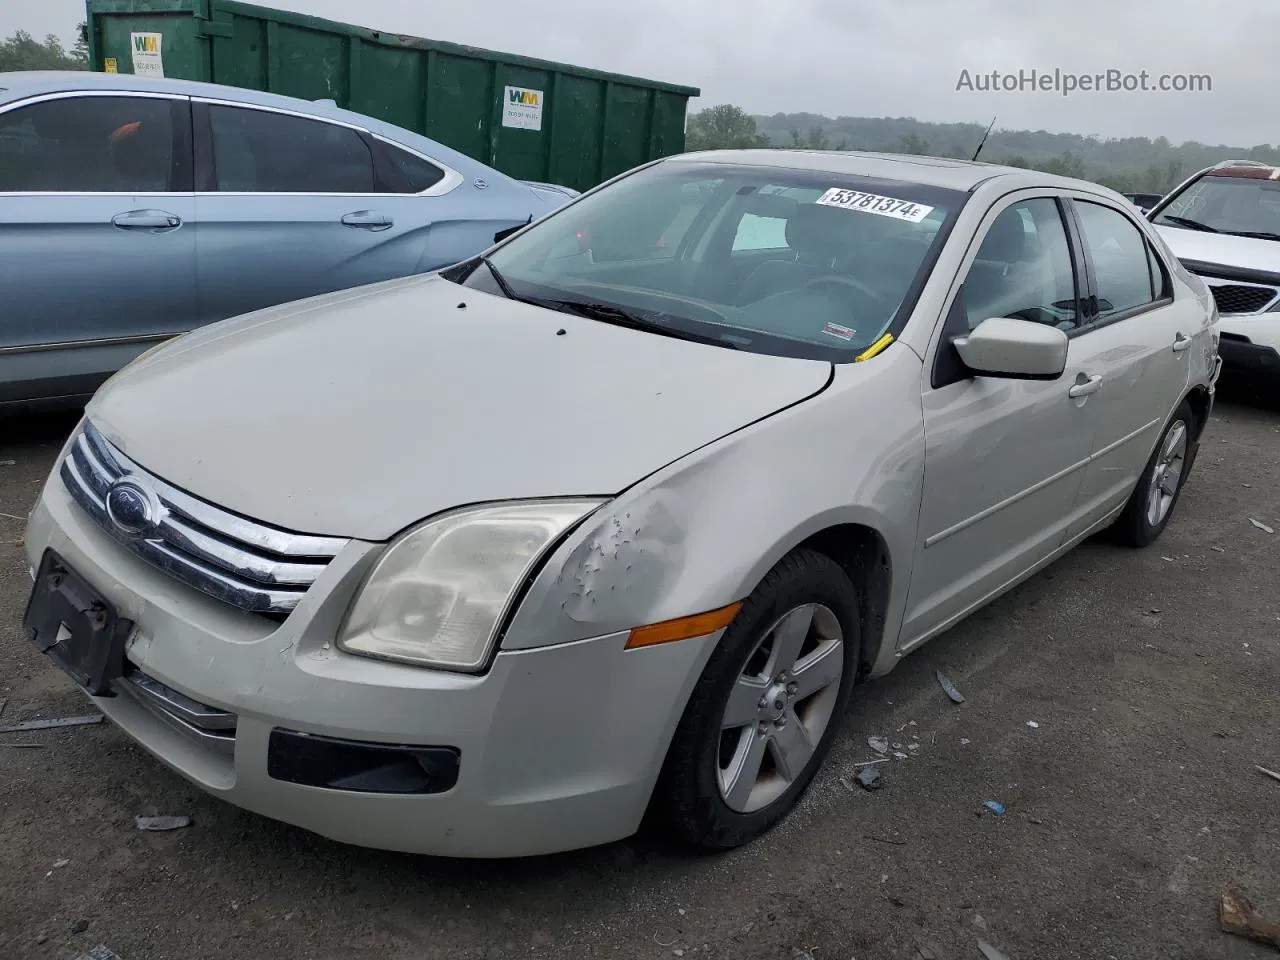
97	244
1004	458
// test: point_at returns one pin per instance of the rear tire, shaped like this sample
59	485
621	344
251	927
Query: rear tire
1153	500
762	717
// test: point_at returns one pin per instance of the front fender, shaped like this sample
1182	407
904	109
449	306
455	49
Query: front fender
702	533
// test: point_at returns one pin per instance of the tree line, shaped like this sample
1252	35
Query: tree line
1126	164
21	51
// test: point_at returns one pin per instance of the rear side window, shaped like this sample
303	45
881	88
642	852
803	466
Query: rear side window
1121	260
88	145
257	151
416	174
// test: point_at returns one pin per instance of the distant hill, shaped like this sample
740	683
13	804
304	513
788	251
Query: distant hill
1129	164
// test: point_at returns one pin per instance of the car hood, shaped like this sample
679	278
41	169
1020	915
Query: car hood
1222	249
359	413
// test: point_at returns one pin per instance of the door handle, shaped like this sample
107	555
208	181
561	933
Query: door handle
146	220
367	220
1181	343
1086	387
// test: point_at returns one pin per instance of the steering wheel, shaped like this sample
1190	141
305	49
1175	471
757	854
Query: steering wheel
846	284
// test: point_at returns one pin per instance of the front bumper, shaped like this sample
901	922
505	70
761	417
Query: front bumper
1248	357
557	747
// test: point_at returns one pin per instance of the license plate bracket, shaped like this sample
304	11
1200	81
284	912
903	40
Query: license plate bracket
76	628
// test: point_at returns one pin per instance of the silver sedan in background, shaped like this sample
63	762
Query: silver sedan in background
617	516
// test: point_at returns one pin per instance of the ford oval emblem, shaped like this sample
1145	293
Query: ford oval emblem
130	507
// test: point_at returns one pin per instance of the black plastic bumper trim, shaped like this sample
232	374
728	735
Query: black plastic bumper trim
313	760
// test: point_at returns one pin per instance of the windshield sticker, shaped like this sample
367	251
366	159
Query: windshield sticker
835	330
874	203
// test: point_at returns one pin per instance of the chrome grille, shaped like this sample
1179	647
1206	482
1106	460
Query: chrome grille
247	564
1242	298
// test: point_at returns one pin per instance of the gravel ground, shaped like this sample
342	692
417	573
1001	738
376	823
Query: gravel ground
1129	808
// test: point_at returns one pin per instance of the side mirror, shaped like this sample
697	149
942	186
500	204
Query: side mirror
1017	349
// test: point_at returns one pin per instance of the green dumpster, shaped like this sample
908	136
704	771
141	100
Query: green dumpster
531	119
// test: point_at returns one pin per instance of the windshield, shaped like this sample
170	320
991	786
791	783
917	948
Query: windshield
1248	206
788	262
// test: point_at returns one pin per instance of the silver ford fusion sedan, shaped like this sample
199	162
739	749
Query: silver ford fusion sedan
616	517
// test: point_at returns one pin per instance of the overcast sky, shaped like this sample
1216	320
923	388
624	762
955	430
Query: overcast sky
870	57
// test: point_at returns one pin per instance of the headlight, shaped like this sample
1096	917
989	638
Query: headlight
438	596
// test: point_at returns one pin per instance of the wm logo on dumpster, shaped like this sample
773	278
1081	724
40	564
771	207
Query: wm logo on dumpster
146	43
526	98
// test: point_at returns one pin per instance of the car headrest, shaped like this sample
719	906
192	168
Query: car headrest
771	205
1007	240
821	230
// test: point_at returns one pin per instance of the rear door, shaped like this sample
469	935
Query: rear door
97	246
1134	350
290	206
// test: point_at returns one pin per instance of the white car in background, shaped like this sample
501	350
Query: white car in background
1224	224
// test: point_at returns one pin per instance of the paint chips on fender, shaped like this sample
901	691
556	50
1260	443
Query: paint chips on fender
874	203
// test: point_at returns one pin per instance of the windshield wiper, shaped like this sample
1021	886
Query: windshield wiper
1256	234
621	317
500	280
1190	224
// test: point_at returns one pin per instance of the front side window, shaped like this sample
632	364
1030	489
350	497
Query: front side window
258	151
88	145
1023	269
1121	260
772	260
1247	206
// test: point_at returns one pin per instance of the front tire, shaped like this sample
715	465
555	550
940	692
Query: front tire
762	717
1151	504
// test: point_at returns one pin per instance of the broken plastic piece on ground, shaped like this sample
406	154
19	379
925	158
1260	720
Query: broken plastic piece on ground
990	952
1033	725
1237	916
51	724
995	807
156	824
1261	526
869	778
896	843
949	688
899	755
878	744
1270	773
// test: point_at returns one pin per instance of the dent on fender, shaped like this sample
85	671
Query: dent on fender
623	568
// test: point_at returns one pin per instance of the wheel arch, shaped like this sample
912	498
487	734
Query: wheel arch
863	553
1200	401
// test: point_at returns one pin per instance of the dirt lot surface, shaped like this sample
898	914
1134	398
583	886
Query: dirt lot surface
1152	676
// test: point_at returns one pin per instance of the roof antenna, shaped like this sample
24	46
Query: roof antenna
983	141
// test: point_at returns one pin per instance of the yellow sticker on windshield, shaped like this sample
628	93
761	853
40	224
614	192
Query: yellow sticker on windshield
874	203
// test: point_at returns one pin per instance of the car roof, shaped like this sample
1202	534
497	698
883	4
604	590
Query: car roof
942	172
1243	172
20	85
